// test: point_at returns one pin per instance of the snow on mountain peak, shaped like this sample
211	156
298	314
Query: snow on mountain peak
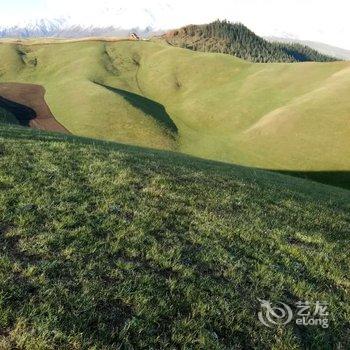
109	19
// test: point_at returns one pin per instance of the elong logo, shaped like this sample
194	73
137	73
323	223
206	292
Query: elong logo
279	314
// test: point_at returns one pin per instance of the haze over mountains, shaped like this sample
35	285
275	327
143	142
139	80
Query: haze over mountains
268	18
118	21
64	28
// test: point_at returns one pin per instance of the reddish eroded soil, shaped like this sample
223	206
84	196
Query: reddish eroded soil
33	97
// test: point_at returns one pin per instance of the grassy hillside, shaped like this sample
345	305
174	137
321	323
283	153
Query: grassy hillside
68	71
109	246
237	40
292	117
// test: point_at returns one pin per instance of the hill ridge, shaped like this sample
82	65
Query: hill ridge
237	40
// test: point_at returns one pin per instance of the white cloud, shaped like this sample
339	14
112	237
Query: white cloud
319	20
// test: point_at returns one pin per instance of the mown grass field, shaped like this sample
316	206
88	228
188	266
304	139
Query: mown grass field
109	246
277	116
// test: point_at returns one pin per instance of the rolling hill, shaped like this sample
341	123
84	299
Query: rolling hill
237	40
109	246
290	117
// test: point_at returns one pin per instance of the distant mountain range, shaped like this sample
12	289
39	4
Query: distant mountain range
320	47
63	28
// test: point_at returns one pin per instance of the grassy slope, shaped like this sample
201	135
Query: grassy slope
277	116
67	71
110	245
223	103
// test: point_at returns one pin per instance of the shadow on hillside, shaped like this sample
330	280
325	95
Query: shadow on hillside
340	179
147	106
22	113
333	178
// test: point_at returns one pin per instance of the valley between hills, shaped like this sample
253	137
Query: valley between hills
291	117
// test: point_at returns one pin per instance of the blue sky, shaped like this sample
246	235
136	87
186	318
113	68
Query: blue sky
318	20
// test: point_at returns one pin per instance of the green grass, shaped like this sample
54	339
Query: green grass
108	246
148	107
291	117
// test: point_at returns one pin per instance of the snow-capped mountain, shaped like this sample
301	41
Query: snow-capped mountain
92	19
65	27
35	28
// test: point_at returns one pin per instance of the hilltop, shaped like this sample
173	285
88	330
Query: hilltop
110	246
290	117
237	40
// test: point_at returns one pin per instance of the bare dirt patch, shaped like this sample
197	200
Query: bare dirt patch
22	98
